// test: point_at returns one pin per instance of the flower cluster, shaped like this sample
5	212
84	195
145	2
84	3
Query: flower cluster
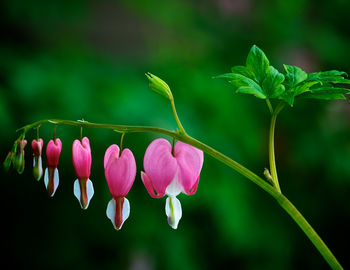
168	170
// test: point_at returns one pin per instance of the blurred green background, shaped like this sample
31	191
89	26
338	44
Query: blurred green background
87	59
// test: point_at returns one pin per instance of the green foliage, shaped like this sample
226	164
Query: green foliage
262	80
86	59
257	78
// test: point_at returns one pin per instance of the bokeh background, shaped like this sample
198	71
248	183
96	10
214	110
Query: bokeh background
87	59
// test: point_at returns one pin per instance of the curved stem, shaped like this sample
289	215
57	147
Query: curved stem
182	130
272	158
309	231
121	142
274	192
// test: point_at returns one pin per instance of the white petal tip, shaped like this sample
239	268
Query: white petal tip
55	180
112	210
78	194
173	211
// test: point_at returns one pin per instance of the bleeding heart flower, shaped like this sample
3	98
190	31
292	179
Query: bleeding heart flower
171	171
120	172
37	146
19	160
51	177
83	188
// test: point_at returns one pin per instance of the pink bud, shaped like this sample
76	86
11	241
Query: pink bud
21	144
120	174
83	188
53	151
171	172
51	178
37	147
82	158
37	160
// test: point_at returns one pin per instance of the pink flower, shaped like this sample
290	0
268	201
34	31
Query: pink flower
171	171
83	188
37	146
51	177
120	172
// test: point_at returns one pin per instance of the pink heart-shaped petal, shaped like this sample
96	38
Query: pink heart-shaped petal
81	154
190	161
112	150
120	172
160	165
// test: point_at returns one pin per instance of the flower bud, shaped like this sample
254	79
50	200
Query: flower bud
8	160
51	177
159	86
19	160
83	188
37	146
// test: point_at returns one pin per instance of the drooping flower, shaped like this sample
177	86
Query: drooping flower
37	146
120	172
171	171
83	187
51	177
19	160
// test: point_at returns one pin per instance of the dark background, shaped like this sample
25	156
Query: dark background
87	59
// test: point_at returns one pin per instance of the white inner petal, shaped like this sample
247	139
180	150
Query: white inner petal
174	188
89	191
56	180
126	211
110	212
173	211
76	190
40	167
46	177
111	209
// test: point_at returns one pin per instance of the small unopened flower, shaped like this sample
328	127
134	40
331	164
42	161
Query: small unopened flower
159	86
8	160
37	146
83	188
120	172
171	171
19	159
51	177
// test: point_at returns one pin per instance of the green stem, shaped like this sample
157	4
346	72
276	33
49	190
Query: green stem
121	141
272	158
269	105
181	136
309	231
182	130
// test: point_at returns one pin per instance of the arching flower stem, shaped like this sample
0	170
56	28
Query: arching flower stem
182	136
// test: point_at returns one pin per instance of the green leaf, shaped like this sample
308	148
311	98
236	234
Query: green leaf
257	63
327	92
243	84
303	87
331	76
242	70
294	75
291	93
264	81
323	96
272	84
